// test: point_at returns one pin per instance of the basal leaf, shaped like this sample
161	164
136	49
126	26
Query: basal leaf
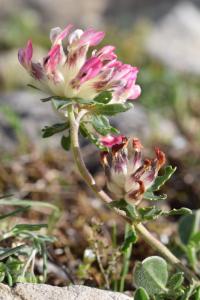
152	275
188	226
175	281
141	294
11	251
130	239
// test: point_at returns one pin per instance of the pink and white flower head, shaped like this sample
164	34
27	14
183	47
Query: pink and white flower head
129	176
72	74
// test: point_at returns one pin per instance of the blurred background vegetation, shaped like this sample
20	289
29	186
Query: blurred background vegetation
162	39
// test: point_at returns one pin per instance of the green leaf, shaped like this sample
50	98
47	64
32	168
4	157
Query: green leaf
161	180
130	239
149	213
48	131
129	209
111	109
33	87
91	137
101	125
59	103
141	294
148	195
180	211
27	227
103	97
152	275
188	226
176	281
195	239
11	251
14	212
66	142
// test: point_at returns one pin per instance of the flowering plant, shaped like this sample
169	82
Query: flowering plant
85	91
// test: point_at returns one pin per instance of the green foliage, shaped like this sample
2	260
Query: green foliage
130	238
91	137
189	232
111	109
161	180
149	195
17	263
175	281
58	102
189	226
103	97
66	142
102	125
129	209
158	183
48	131
141	294
152	275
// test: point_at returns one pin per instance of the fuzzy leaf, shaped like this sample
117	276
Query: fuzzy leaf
152	275
129	209
149	195
48	131
150	213
176	281
180	211
131	238
111	109
59	103
91	137
188	226
101	125
161	180
66	142
141	294
103	97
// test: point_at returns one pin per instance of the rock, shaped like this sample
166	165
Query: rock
175	40
28	291
23	115
134	122
56	13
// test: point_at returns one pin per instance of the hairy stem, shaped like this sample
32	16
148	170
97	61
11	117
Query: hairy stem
147	236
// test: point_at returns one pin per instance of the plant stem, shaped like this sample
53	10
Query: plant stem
126	261
147	236
165	252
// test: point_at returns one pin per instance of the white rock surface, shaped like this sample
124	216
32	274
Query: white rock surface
28	291
175	40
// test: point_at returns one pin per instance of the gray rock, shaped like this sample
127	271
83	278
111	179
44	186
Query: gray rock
30	116
175	40
27	291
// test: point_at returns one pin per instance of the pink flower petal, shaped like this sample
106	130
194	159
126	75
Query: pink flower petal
110	140
92	37
135	93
